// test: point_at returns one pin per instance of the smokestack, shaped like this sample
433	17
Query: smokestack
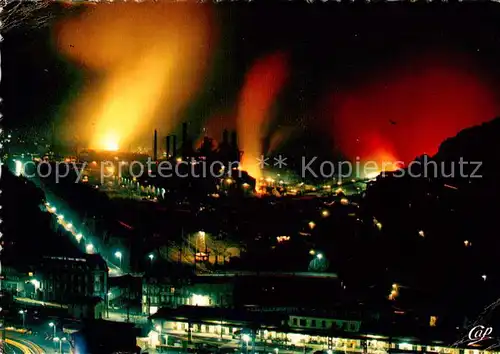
184	134
225	137
174	145
168	146
234	139
155	146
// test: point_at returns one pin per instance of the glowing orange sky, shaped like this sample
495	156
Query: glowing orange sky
410	110
147	60
263	82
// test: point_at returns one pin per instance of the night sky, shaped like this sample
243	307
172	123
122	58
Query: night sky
391	79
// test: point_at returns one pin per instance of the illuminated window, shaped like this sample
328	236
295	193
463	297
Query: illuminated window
200	300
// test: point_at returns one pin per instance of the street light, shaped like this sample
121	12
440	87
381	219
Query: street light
36	284
118	255
151	257
89	248
320	256
109	298
53	325
61	341
23	315
246	339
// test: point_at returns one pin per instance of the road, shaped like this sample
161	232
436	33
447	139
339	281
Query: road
121	316
31	343
14	344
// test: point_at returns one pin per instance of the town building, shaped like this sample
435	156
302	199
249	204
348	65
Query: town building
238	289
264	328
198	291
79	282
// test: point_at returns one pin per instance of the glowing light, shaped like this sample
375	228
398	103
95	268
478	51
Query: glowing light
200	300
394	292
372	175
312	225
283	238
89	248
374	119
109	142
19	168
171	45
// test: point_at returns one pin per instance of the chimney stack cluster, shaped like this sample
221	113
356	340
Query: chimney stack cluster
229	145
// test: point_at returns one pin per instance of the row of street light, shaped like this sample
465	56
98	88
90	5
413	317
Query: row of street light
89	247
56	339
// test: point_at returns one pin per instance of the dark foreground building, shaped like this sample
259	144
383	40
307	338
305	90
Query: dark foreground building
104	337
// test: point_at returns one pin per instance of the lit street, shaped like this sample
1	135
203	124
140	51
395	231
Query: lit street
26	344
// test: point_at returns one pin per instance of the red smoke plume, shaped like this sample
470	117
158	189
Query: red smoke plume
262	84
409	111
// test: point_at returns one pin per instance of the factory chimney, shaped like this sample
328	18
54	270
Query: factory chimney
168	146
155	146
235	151
174	146
234	140
225	137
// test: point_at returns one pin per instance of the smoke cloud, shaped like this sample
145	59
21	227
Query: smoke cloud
145	62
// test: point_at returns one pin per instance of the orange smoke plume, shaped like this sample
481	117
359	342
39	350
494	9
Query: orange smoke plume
262	84
147	61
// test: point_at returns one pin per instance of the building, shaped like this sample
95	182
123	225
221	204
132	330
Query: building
322	322
105	337
74	280
268	330
15	283
239	290
264	326
198	291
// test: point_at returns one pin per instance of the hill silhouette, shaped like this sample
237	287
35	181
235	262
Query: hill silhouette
439	234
